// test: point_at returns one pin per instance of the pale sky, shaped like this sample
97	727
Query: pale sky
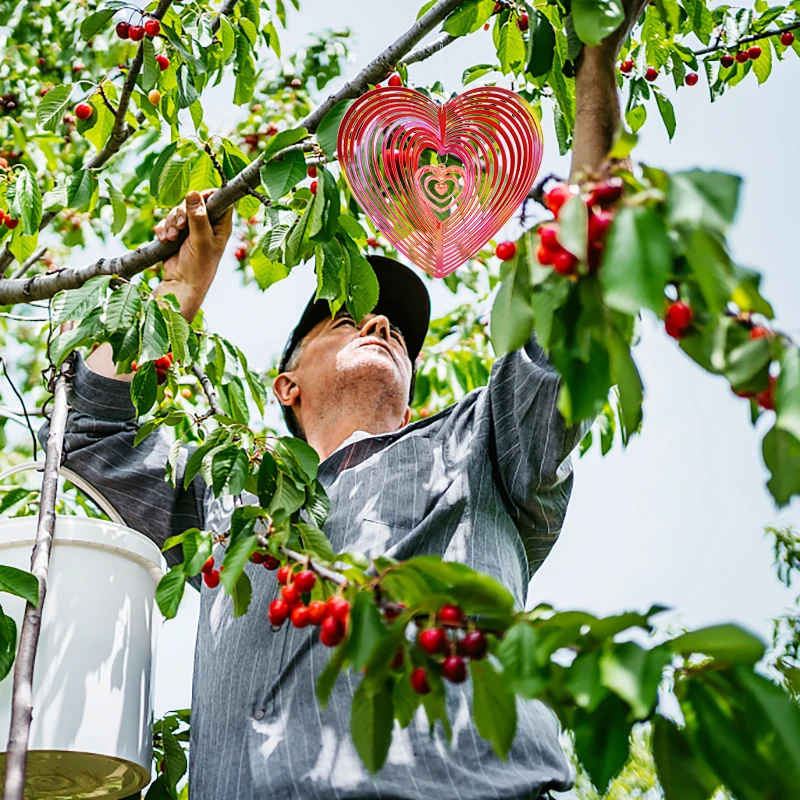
677	519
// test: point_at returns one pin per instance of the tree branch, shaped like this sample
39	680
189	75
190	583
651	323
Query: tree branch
41	287
211	394
747	40
22	697
426	51
29	263
227	9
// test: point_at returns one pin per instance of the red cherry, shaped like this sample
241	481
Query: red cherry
300	617
727	61
486	26
556	198
211	579
787	38
258	558
83	111
451	615
548	235
599	222
283	575
392	612
162	61
123	30
678	318
291	594
742	57
240	254
398	660
136	32
312	172
305	580
454	669
651	74
760	332
41	61
271	563
523	22
134	366
338	608
545	256
497	8
373	243
331	632
754	52
692	78
506	251
2	216
433	640
475	644
152	27
209	565
161	378
162	364
419	681
313	187
11	223
564	263
278	612
317	611
395	80
766	399
626	67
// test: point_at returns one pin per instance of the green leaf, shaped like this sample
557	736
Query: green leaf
325	216
637	261
703	199
144	388
573	226
328	130
781	451
468	17
626	376
236	558
96	22
667	113
287	498
583	680
20	583
601	740
245	73
543	43
366	630
633	674
517	654
682	773
155	339
494	706
229	470
175	764
728	643
123	307
52	106
427	7
267	479
241	595
8	643
267	271
169	591
596	19
762	66
327	678
81	186
27	201
187	94
118	206
65	342
77	303
787	400
179	333
371	722
315	541
746	361
281	175
511	48
196	550
280	141
150	69
306	456
362	284
512	317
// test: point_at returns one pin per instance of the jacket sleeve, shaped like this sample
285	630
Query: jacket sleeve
98	445
531	446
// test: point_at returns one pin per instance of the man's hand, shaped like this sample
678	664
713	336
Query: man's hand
189	273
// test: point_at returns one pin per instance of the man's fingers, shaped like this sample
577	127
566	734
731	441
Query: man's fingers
199	225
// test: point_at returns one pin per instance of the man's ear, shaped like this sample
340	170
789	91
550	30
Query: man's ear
286	390
406	417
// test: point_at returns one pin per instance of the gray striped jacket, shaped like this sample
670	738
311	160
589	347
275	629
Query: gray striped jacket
485	482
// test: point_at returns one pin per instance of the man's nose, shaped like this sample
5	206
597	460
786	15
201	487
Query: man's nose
377	326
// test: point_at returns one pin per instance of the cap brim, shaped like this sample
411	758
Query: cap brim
402	298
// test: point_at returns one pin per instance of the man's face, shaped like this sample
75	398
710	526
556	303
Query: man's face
365	365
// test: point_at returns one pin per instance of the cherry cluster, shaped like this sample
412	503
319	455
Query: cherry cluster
741	56
8	221
766	398
451	649
8	102
252	140
162	366
151	27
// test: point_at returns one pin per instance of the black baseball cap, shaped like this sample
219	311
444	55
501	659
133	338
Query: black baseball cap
402	298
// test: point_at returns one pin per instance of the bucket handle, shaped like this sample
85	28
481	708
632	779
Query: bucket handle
81	483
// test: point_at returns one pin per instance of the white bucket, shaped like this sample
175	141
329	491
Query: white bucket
93	691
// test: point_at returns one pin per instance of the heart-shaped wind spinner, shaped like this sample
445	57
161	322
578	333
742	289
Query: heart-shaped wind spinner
440	180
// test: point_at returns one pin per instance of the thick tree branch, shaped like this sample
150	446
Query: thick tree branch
22	697
747	40
43	286
426	51
227	9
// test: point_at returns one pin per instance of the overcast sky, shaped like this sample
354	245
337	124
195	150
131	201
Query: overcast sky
678	518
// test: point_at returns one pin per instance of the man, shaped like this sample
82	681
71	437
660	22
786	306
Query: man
485	482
